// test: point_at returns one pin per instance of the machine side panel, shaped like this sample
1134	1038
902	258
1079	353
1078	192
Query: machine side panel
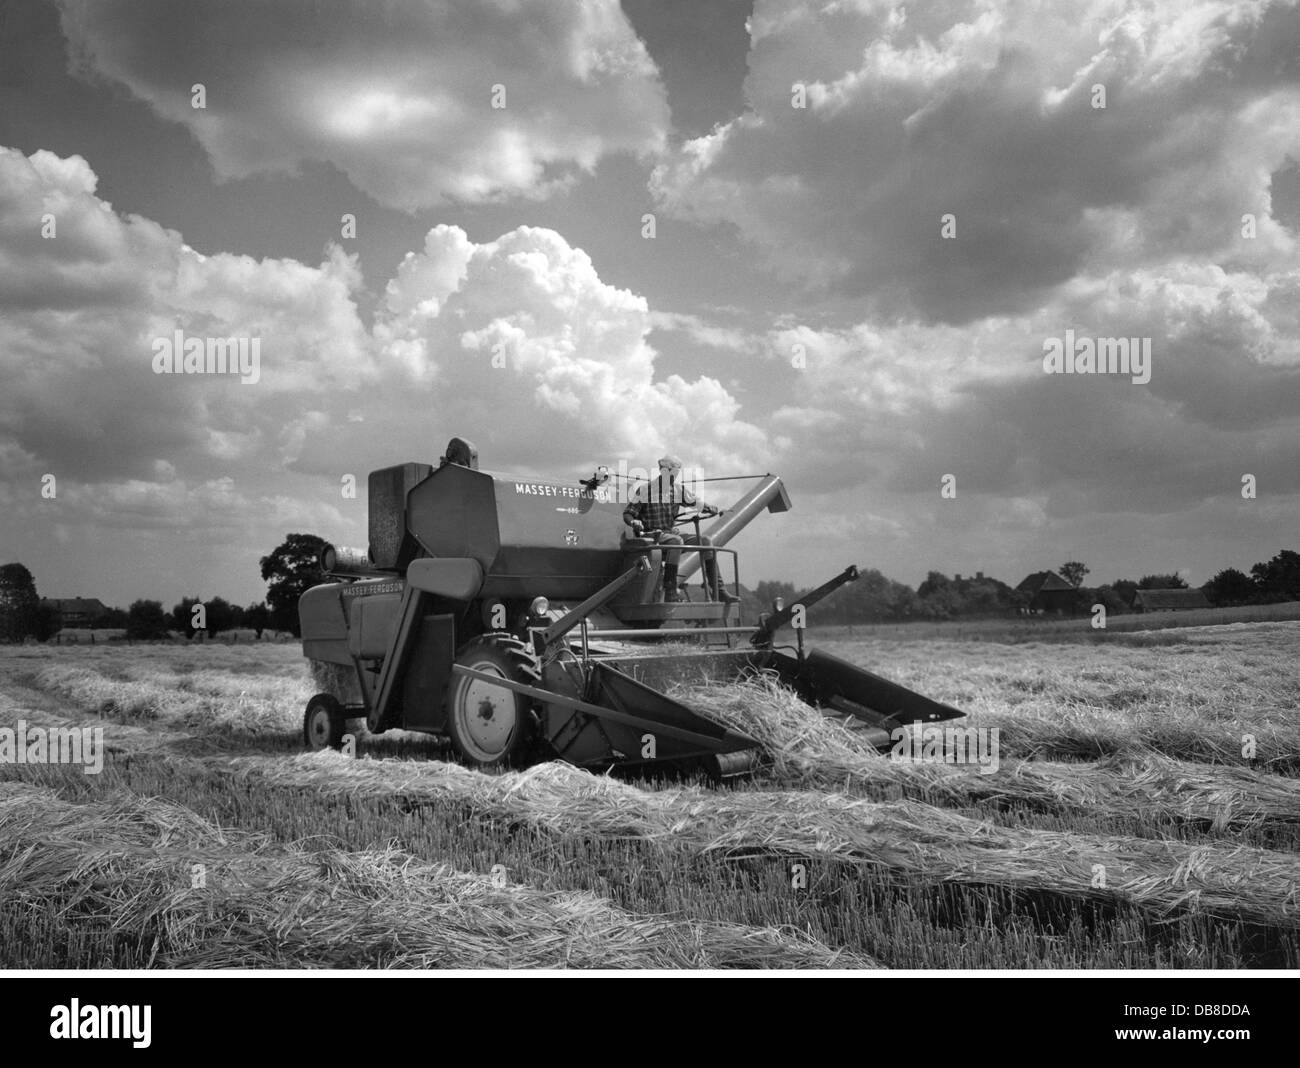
372	623
324	624
544	515
558	539
424	688
453	513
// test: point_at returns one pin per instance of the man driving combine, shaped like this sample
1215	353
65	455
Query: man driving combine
652	513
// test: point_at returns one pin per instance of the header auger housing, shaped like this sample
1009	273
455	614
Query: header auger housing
516	617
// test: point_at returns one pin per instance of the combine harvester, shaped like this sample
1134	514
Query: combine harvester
520	620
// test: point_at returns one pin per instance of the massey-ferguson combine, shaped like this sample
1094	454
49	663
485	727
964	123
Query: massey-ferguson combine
520	619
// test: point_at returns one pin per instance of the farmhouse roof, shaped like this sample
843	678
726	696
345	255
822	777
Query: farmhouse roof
71	605
1043	582
1170	599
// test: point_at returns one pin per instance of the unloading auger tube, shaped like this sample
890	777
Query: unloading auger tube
515	617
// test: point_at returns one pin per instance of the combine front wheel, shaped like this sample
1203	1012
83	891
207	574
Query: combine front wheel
323	723
490	725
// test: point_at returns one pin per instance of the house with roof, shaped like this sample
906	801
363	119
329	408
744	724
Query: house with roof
1168	600
1047	592
76	611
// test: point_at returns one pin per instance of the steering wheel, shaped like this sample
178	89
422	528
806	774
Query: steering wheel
696	516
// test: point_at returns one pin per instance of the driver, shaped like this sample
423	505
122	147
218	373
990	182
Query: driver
652	512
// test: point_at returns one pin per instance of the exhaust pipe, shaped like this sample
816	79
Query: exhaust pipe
344	561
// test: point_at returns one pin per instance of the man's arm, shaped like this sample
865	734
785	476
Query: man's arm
703	507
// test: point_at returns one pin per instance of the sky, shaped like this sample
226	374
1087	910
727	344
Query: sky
835	240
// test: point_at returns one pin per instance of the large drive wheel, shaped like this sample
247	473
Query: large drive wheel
323	723
490	725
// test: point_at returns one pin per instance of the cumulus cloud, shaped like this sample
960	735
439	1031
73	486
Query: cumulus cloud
897	407
87	295
515	343
702	332
985	111
519	343
397	96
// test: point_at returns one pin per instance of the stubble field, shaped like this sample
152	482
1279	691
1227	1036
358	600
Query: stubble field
1123	828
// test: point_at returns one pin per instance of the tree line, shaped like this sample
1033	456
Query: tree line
292	568
23	615
289	570
875	598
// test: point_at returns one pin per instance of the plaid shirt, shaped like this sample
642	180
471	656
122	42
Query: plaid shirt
656	505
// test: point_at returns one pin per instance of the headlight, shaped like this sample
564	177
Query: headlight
540	606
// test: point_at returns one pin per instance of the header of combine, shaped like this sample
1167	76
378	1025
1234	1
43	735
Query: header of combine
485	606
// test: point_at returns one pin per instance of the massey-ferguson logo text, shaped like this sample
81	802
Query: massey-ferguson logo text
363	589
550	489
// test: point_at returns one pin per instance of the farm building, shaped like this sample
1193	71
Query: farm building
76	611
1168	600
1048	592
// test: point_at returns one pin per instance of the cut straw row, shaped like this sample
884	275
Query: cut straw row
131	866
809	749
901	839
206	704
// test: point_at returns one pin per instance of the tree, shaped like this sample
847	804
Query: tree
257	616
981	599
221	615
291	569
873	598
1230	586
1114	600
218	615
182	616
934	582
939	600
1127	589
768	590
48	622
1279	579
898	601
1161	582
146	620
19	605
112	619
1073	572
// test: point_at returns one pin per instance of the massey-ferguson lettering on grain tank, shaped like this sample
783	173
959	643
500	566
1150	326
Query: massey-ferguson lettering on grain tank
519	619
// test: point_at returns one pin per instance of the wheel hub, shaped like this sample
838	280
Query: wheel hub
487	713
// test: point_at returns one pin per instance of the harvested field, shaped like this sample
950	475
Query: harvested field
1123	827
808	750
131	865
1194	696
902	837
